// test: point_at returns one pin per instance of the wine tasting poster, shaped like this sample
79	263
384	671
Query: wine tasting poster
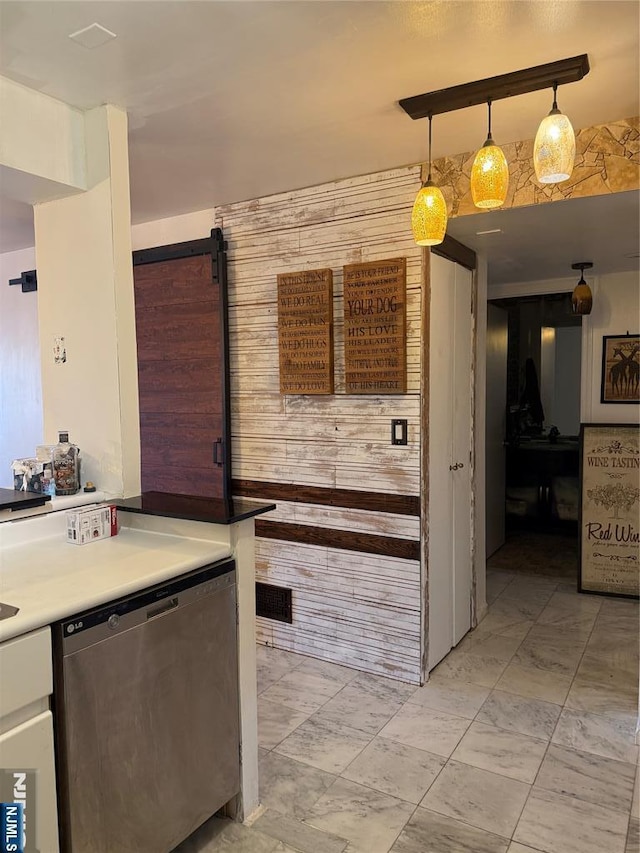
610	509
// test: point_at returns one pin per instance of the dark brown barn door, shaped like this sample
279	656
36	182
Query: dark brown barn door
183	373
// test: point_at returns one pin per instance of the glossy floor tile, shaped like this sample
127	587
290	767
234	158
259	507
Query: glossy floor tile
519	714
555	823
522	741
370	820
429	832
291	787
486	800
588	777
328	746
505	752
395	769
422	728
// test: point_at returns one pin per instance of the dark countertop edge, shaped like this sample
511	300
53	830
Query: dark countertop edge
216	512
14	499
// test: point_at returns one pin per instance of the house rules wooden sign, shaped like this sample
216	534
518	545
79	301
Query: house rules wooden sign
305	332
375	339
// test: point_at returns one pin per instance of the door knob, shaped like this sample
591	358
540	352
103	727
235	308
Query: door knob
460	464
454	467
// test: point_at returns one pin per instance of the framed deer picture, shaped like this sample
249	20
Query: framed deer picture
620	369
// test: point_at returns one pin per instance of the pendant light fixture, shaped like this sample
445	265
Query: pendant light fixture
429	214
554	150
489	174
582	298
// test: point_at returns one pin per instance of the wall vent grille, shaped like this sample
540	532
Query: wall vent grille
274	602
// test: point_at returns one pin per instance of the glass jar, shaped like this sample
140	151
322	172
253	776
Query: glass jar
66	466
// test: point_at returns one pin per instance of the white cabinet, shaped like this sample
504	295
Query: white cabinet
450	458
26	731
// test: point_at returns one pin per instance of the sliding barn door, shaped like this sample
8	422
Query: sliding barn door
181	326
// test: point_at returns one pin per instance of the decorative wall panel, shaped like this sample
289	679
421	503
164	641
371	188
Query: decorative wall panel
352	607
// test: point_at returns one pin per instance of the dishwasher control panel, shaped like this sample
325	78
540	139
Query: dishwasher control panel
151	603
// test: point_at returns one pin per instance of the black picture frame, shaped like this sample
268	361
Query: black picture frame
620	388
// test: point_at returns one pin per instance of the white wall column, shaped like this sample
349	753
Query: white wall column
85	295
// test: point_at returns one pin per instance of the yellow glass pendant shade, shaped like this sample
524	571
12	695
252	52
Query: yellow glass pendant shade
554	150
582	298
429	216
489	176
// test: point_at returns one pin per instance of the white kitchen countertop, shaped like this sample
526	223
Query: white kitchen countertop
49	579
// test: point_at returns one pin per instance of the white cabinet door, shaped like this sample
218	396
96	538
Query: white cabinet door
29	747
449	439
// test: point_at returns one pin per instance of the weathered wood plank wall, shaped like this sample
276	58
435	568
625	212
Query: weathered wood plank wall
361	609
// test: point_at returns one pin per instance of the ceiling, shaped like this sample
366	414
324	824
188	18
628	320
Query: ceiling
543	240
235	100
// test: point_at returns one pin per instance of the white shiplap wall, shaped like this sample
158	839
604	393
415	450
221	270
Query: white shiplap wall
359	609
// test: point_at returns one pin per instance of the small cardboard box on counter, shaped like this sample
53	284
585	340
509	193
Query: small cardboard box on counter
88	524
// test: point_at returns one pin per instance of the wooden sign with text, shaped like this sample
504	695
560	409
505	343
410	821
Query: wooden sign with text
375	319
305	332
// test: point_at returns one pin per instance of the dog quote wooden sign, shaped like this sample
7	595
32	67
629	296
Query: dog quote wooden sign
375	327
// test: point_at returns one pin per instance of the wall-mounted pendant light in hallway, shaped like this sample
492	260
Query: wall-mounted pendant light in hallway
429	214
489	174
554	150
582	298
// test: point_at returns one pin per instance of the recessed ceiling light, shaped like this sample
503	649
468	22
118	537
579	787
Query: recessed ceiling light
492	231
95	35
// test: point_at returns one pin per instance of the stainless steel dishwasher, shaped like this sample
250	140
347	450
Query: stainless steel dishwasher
146	715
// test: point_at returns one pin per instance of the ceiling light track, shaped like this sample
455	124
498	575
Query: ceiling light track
497	88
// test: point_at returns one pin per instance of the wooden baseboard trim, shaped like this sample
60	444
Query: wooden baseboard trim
345	540
346	498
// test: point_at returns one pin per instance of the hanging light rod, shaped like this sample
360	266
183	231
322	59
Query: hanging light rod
496	88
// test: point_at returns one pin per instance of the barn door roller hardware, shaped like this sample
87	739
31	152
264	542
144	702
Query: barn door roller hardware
28	280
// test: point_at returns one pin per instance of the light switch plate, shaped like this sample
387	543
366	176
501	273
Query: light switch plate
399	431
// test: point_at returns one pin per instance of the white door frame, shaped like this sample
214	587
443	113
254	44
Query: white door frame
557	285
477	375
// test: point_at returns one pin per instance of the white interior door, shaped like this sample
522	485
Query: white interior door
497	337
450	376
440	568
461	453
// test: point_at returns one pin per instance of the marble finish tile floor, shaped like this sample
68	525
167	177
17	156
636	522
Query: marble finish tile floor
522	741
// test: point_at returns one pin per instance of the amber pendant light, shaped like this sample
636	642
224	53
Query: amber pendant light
554	150
429	214
489	174
582	298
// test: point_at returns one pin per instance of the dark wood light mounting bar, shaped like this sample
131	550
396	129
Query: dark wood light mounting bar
496	88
